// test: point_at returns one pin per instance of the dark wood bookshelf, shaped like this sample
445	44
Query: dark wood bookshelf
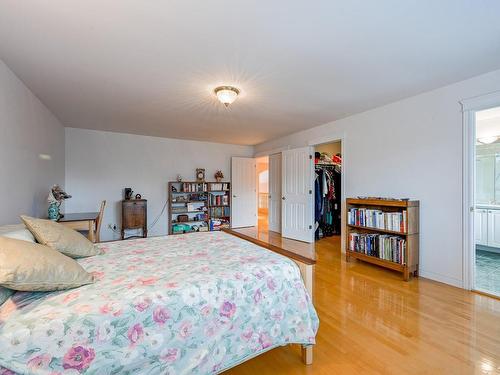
172	213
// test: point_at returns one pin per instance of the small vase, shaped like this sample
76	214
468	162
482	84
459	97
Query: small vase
53	211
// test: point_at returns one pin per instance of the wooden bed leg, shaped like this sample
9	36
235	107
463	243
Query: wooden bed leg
307	354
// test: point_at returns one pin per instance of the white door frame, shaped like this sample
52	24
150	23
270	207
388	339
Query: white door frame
469	109
336	137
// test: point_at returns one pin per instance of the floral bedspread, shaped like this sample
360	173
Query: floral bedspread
197	303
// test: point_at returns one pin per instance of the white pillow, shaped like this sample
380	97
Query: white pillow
17	231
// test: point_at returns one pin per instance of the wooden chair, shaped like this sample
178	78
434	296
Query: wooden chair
98	223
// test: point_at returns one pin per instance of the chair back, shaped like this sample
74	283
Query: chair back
99	222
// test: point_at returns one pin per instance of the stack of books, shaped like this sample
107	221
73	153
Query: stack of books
220	212
377	245
365	217
219	186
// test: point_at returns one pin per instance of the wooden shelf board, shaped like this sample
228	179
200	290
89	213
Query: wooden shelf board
381	202
190	221
189	202
188	192
371	229
187	212
381	262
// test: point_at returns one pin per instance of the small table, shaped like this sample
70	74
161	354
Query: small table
81	221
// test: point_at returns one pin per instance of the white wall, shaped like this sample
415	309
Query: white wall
27	129
411	148
100	164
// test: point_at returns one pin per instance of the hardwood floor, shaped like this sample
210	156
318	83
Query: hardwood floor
372	322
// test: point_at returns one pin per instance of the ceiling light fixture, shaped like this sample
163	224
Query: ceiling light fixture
226	94
487	140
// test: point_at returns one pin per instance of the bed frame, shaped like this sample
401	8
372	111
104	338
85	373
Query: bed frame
306	266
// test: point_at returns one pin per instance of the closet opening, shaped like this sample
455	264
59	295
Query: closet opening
327	191
262	166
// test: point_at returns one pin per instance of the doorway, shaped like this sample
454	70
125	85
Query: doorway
262	165
486	253
327	190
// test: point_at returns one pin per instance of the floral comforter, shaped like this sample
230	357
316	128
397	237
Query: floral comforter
197	303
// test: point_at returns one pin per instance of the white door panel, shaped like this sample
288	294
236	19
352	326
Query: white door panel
274	211
481	227
297	198
494	228
244	192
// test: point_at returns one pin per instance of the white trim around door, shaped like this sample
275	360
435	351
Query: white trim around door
338	137
469	108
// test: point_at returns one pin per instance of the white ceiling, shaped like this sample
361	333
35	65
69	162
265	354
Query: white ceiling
148	67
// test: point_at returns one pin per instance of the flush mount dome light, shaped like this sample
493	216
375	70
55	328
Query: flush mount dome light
226	94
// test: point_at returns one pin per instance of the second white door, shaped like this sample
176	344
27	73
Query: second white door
244	192
297	203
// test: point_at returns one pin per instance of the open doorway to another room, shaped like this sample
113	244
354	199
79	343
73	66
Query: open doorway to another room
327	190
487	202
262	174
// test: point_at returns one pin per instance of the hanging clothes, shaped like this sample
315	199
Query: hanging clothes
327	200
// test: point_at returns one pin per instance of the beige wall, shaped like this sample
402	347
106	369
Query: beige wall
27	129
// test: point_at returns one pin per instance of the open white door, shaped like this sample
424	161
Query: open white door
297	204
244	192
274	211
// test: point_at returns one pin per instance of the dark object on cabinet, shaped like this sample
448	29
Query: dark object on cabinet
134	216
128	193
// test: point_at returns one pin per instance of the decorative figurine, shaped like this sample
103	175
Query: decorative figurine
179	178
56	196
218	176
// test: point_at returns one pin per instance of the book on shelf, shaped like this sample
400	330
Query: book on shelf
219	199
373	218
381	246
219	186
216	212
194	187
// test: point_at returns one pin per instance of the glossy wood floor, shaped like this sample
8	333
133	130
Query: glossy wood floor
372	322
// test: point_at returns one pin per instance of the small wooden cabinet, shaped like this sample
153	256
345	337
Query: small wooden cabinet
134	216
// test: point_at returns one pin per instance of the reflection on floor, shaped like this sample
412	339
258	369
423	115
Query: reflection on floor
372	322
488	272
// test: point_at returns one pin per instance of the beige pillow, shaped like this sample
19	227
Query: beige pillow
33	267
60	237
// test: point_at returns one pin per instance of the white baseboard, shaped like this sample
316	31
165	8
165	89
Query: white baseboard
441	278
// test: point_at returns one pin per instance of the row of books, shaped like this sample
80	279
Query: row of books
219	200
218	224
220	211
219	186
192	187
366	217
382	246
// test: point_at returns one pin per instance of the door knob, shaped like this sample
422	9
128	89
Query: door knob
283	198
268	197
234	196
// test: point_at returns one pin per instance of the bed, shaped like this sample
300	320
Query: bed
196	303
